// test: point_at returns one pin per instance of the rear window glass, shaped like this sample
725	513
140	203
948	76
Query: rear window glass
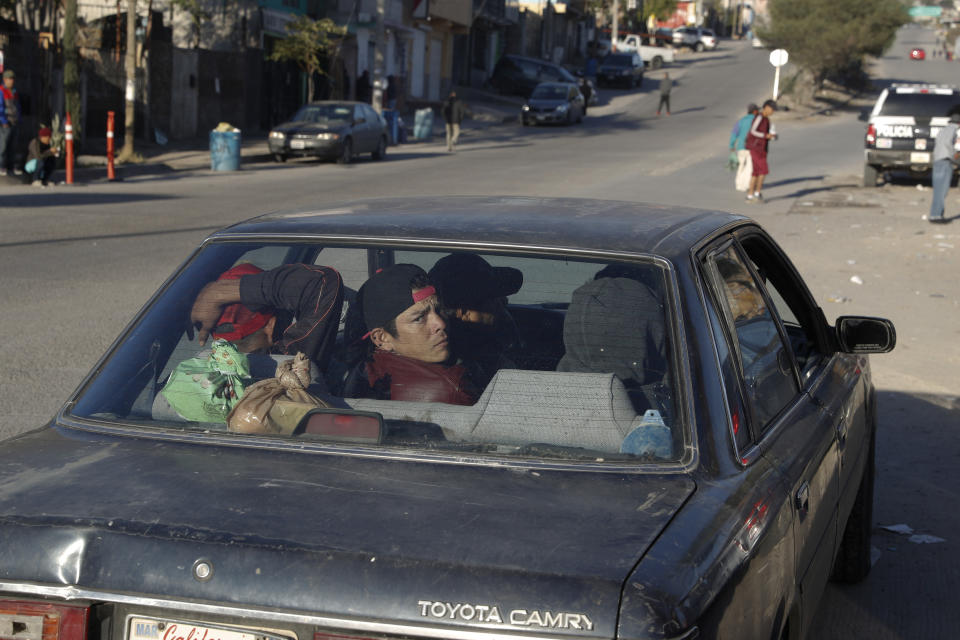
920	105
405	349
618	60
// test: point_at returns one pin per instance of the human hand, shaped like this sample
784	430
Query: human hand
204	314
208	307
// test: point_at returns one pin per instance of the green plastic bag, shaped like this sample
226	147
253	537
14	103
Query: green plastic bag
732	161
206	389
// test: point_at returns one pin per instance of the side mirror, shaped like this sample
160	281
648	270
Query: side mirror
859	334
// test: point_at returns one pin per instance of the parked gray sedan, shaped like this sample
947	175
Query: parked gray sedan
332	130
554	102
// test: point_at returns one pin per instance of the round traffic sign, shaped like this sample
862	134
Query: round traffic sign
779	57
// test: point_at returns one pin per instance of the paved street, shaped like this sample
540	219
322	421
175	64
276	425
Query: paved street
78	262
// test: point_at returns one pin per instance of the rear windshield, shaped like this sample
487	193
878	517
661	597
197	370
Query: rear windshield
919	105
616	60
550	92
321	114
460	353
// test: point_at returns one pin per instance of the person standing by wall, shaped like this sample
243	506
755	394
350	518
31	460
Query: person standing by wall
666	85
758	137
453	111
738	144
9	119
945	155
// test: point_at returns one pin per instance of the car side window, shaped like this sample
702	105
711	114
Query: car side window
765	362
550	74
797	313
528	69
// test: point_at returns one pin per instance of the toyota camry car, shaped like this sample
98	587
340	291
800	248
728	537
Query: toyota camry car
331	130
663	436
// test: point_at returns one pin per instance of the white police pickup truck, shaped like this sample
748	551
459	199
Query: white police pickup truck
903	126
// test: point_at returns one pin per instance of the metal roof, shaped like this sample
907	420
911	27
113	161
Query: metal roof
566	223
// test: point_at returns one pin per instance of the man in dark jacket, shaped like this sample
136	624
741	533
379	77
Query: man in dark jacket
307	299
453	112
41	158
9	119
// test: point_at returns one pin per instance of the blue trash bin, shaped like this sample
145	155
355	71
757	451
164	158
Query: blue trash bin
423	124
391	116
224	150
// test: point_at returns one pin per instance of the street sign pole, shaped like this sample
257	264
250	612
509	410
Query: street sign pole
778	58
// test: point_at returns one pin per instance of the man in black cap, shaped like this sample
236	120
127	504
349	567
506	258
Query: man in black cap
411	358
474	295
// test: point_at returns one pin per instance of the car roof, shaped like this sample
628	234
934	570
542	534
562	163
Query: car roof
341	103
529	59
564	85
500	221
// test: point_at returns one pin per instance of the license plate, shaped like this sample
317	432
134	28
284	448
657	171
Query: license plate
884	143
153	629
919	157
920	143
297	144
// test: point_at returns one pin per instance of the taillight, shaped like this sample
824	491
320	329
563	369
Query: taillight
871	134
42	621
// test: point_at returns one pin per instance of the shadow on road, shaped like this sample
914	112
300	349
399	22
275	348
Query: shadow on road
911	590
109	236
67	196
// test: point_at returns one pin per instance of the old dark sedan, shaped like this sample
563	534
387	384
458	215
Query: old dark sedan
664	437
621	68
331	130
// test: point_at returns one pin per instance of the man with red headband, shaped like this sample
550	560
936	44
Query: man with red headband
410	357
41	158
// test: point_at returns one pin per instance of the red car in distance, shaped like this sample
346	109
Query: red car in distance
917	54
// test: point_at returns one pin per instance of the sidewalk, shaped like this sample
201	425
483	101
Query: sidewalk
488	109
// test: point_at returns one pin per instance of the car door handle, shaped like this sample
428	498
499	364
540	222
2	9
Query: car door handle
803	499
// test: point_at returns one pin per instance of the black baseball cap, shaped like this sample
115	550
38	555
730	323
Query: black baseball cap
465	278
389	292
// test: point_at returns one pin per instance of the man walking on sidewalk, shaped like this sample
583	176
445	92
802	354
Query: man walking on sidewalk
453	111
666	84
944	155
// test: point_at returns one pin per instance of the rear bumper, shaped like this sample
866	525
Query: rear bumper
899	159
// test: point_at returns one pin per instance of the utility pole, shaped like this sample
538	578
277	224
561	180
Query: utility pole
130	94
71	72
616	23
378	57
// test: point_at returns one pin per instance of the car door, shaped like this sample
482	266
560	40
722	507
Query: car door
361	129
833	380
794	433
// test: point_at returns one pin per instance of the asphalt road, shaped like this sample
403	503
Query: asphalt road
78	262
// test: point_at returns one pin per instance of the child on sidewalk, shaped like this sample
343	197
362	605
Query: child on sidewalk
41	158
